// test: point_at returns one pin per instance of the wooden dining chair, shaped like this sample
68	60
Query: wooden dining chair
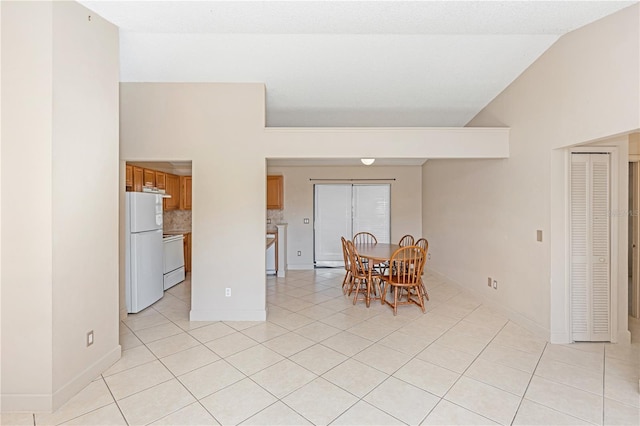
424	245
360	283
364	238
346	282
405	241
405	273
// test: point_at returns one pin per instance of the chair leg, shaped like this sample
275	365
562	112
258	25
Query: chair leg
395	301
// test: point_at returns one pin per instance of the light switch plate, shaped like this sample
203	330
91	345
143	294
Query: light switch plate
539	235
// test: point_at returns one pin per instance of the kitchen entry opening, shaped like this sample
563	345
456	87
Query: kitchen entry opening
342	210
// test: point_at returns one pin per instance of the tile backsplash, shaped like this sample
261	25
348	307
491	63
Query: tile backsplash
177	220
276	216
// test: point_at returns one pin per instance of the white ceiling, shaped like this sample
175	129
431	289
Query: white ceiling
347	63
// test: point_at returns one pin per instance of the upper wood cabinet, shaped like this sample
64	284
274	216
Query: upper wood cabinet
149	178
161	180
173	189
275	192
138	178
185	192
128	181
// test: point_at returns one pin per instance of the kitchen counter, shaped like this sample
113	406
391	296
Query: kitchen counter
177	231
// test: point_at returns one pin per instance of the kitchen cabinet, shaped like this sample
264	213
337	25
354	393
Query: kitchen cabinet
138	178
275	192
149	178
187	252
172	183
128	181
185	192
161	180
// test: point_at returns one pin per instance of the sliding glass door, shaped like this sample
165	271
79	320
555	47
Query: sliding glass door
342	210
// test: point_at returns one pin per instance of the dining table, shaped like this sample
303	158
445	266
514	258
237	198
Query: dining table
375	253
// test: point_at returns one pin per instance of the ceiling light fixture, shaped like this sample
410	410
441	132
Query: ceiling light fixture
367	161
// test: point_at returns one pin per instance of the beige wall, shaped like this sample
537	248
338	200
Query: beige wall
59	231
406	203
481	217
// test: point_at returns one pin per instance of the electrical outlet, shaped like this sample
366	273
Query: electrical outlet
90	338
268	221
299	253
495	284
227	292
489	281
306	220
428	256
539	235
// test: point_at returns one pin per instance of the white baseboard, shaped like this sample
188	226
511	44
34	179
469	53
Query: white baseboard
47	403
228	315
560	338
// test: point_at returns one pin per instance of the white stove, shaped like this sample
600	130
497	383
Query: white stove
173	259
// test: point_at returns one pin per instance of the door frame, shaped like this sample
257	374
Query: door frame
613	236
634	191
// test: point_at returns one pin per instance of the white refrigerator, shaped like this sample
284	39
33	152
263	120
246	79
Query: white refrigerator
143	247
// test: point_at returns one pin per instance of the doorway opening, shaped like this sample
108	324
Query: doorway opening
634	239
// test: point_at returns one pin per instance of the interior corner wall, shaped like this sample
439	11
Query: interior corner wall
406	203
59	210
481	216
218	127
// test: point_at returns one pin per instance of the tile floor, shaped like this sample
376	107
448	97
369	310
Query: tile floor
321	360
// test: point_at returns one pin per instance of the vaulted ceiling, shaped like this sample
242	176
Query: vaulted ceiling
347	63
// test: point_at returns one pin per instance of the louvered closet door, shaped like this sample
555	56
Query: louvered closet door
590	247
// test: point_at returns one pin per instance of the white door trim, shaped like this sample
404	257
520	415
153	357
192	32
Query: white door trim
613	234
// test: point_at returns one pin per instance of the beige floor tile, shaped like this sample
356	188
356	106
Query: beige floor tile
92	397
355	376
276	414
292	321
318	358
231	404
155	403
483	399
448	413
475	329
231	344
531	413
446	357
628	353
158	332
131	358
137	379
283	378
288	344
254	359
372	330
363	413
517	337
170	345
405	343
622	389
463	342
129	341
305	401
427	376
242	325
569	400
571	375
341	321
317	331
401	400
498	375
450	310
188	360
488	317
140	321
212	332
193	414
616	413
210	378
521	360
622	368
316	312
347	343
588	360
265	331
383	358
16	419
105	416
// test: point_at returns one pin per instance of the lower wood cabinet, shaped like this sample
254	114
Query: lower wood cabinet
187	252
